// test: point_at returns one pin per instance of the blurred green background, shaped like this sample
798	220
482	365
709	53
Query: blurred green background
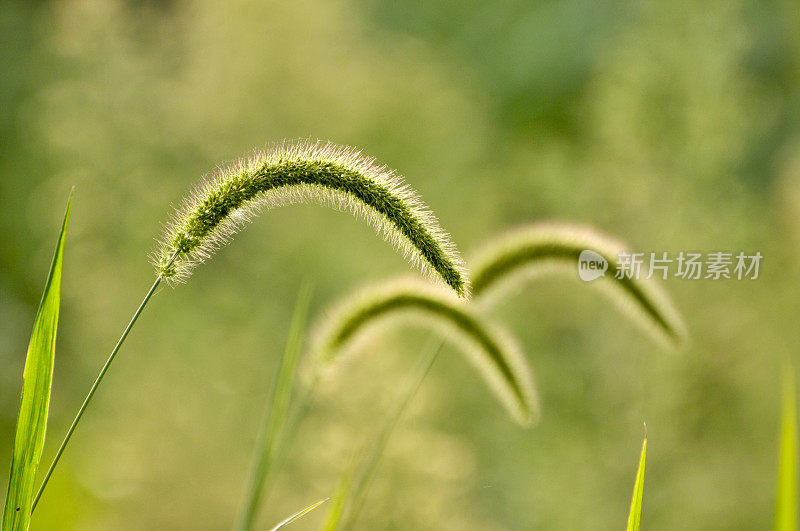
674	125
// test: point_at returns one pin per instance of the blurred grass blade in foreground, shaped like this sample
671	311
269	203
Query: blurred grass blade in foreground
299	514
334	515
635	515
275	417
36	383
786	505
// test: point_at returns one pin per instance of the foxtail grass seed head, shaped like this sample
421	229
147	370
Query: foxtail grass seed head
492	350
546	248
302	172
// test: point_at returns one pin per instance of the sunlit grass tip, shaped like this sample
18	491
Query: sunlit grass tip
547	248
635	512
301	513
306	171
491	348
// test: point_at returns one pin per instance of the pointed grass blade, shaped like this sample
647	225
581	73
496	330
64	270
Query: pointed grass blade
786	505
635	514
35	401
299	514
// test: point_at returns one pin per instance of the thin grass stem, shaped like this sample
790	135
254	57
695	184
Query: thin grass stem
95	385
371	468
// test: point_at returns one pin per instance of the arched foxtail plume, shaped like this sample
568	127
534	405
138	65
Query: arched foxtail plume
492	350
286	173
301	172
545	248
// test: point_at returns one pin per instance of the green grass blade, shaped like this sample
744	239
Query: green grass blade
275	417
35	401
300	514
635	515
370	471
336	510
786	505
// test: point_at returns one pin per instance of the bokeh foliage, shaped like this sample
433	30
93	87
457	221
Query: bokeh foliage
673	125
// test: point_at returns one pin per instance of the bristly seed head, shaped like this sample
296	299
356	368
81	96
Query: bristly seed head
489	347
547	247
299	172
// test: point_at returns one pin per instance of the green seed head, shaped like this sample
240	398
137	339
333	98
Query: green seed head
492	350
300	172
547	248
